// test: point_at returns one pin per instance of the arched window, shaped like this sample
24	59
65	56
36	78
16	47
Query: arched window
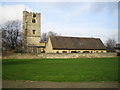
33	31
33	21
34	15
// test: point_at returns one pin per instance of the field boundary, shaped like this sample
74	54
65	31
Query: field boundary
63	55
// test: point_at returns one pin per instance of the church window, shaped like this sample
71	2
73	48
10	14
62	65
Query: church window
34	15
57	52
64	51
33	31
33	21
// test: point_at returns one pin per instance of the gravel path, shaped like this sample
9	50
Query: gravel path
46	84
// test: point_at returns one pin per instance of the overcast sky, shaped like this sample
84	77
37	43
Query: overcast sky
80	19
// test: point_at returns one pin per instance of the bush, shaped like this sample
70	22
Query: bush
19	51
118	54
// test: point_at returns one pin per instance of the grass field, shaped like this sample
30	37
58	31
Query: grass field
61	70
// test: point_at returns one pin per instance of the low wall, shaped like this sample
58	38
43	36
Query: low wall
63	55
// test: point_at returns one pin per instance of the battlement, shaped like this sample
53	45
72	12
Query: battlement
30	12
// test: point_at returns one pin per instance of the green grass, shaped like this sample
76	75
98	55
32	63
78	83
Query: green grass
61	70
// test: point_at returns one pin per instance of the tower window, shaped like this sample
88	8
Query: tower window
33	21
34	15
33	31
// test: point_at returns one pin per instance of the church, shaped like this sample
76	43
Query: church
31	34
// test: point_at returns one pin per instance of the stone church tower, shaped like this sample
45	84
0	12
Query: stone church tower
31	30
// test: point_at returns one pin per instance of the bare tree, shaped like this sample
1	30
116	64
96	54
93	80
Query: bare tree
11	35
0	40
110	45
45	36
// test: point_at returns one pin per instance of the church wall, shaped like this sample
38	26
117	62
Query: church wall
33	41
91	51
31	49
79	51
48	48
42	43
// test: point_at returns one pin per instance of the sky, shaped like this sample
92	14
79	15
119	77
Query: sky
77	19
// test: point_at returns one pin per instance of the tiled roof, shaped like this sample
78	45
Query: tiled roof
76	43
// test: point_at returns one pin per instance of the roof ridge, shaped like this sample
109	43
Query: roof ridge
76	37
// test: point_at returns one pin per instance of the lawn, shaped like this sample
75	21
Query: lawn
61	70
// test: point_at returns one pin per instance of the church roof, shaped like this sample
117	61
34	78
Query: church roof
76	43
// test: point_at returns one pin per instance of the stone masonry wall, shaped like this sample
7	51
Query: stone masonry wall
63	55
